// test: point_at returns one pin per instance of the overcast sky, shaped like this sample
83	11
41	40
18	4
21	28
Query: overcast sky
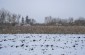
38	9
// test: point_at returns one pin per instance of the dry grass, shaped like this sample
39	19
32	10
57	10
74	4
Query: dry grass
43	29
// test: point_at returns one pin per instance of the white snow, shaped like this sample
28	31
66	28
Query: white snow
42	44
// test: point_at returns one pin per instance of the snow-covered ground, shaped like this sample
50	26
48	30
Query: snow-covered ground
42	44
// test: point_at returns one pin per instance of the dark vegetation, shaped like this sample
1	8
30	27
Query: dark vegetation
15	23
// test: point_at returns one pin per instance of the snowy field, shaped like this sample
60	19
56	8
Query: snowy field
42	44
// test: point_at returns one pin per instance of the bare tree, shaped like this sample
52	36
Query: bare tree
8	18
70	20
27	21
33	21
2	16
48	20
18	18
14	19
80	21
22	21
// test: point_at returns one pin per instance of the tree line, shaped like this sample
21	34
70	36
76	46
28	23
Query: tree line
67	22
8	18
